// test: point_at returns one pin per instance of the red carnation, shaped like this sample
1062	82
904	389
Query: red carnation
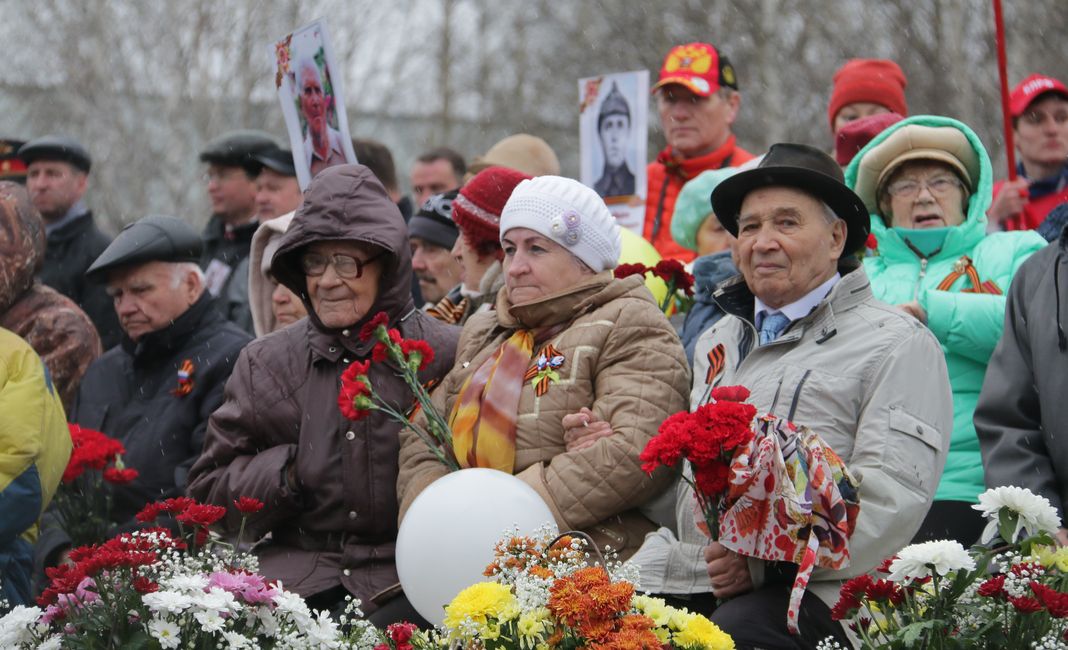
730	393
670	443
401	632
994	587
143	585
177	505
379	352
248	505
673	271
1025	604
367	332
417	352
201	514
119	476
712	478
885	566
625	270
885	591
1055	601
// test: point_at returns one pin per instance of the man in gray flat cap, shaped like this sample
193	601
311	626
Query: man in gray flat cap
154	391
231	185
57	177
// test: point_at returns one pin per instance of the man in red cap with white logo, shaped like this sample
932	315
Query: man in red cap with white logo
1039	109
697	98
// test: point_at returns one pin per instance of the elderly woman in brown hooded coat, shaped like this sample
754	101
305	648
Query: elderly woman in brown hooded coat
329	484
56	328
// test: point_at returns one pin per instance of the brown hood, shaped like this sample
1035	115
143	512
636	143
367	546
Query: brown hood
22	243
347	202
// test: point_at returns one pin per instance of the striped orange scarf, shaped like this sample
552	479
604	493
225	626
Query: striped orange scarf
483	420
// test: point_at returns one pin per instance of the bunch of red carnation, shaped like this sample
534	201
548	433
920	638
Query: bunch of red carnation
407	358
707	438
94	450
674	275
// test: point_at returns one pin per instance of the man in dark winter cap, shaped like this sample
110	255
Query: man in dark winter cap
57	177
433	233
154	391
613	127
277	190
231	184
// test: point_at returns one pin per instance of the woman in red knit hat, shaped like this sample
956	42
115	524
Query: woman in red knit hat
864	87
477	213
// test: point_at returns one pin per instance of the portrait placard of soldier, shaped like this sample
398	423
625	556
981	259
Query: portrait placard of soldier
613	119
312	99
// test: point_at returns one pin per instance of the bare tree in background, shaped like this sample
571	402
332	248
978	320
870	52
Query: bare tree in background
146	84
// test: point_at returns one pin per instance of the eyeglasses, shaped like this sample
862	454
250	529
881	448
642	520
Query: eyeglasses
346	266
909	188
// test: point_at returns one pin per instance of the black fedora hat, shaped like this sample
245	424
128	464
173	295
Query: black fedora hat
802	167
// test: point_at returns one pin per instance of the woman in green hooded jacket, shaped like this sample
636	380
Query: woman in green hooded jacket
927	182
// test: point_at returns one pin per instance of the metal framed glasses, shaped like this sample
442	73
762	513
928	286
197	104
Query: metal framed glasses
346	266
909	188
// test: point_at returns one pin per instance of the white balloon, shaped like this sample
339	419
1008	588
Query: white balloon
447	537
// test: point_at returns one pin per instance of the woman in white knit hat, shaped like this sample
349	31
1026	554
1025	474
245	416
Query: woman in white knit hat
569	350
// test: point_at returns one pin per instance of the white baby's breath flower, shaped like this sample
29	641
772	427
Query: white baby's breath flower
918	560
1033	512
165	632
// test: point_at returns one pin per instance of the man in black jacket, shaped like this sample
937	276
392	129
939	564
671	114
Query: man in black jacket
57	178
155	391
231	185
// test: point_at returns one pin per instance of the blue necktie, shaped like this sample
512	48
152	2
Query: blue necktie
772	326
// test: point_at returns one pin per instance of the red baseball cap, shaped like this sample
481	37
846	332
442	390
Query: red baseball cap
699	67
1030	88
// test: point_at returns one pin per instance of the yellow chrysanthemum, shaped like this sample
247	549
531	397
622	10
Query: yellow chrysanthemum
654	608
479	601
703	633
1052	557
531	625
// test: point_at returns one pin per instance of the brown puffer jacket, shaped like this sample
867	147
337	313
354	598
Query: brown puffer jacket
339	527
57	330
622	360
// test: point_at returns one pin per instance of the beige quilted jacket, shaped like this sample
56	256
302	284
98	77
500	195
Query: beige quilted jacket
622	360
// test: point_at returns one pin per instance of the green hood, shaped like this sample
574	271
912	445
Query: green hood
960	239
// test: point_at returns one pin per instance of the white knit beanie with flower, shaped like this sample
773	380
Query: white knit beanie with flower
569	213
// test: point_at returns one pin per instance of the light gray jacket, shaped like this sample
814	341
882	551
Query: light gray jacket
870	380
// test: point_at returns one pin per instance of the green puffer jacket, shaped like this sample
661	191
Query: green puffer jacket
968	325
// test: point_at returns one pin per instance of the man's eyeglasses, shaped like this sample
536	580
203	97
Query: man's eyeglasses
909	188
346	266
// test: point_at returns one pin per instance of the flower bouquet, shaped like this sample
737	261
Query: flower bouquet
707	438
1010	592
679	281
83	500
408	357
154	589
543	595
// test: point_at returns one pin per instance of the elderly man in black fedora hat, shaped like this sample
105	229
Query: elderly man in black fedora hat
804	334
154	391
57	177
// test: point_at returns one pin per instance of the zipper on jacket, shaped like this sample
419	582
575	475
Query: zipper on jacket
919	280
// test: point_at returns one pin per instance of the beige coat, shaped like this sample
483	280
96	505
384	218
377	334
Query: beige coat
866	377
622	360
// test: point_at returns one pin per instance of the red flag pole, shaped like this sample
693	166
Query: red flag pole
1010	148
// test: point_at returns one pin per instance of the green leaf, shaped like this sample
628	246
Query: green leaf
1007	520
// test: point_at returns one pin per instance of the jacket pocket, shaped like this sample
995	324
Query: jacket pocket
913	450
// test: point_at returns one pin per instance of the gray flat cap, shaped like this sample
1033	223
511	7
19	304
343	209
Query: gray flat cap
237	148
155	238
56	147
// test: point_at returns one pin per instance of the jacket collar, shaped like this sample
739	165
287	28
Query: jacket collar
687	168
164	342
333	344
217	229
71	227
565	306
734	297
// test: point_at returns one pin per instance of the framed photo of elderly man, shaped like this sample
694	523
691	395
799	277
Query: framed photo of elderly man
613	123
312	99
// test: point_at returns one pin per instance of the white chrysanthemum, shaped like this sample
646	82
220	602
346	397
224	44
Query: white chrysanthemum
171	602
940	557
185	582
165	632
51	643
16	628
1034	514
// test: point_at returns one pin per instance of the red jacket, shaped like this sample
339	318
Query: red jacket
666	176
1034	212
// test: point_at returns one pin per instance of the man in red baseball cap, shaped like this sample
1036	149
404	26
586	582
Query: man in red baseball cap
1039	108
697	98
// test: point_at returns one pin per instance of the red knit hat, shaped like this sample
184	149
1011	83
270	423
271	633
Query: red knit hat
877	81
854	136
477	208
